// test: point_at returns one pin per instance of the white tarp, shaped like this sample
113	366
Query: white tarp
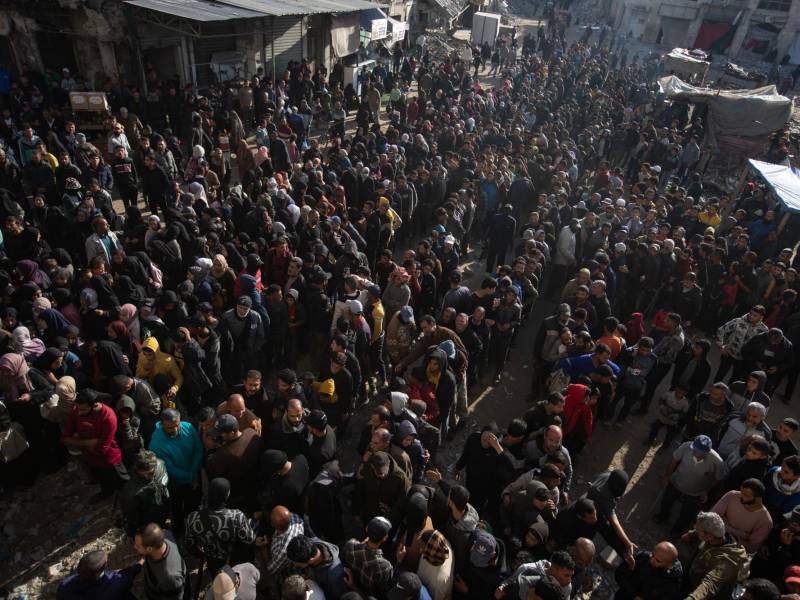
747	113
345	33
784	182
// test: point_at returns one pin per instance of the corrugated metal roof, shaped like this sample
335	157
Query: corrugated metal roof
452	7
207	10
301	7
196	10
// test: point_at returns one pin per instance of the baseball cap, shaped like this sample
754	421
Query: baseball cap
273	461
245	301
406	314
483	548
293	293
354	306
378	527
375	290
381	462
620	248
226	424
223	587
564	309
449	239
408	586
317	419
702	444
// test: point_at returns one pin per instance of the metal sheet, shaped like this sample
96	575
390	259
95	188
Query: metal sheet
301	7
196	10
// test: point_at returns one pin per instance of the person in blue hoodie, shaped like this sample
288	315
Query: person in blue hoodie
178	444
93	581
405	436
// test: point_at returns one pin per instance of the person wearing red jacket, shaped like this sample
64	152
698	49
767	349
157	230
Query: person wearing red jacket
91	428
578	417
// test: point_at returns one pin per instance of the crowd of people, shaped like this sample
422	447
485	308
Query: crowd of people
197	329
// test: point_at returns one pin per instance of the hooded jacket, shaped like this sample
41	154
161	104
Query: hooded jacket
715	570
741	397
576	410
415	451
329	573
780	497
162	364
445	391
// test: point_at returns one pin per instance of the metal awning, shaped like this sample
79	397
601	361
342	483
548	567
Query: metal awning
226	10
196	10
301	7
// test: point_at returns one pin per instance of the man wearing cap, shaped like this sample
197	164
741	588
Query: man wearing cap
241	332
323	441
234	583
381	489
692	473
484	567
365	567
319	561
719	562
400	334
283	481
236	458
732	337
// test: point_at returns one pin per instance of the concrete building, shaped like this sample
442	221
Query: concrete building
188	41
748	30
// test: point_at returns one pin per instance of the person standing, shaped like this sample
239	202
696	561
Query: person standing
733	336
718	563
91	428
745	515
564	257
178	444
655	575
163	566
694	470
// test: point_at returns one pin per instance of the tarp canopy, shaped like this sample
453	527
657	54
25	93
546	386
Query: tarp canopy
783	181
681	61
734	112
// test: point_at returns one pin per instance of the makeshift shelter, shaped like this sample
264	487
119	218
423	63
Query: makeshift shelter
744	113
782	180
680	61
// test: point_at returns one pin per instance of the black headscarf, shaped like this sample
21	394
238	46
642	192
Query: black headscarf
218	491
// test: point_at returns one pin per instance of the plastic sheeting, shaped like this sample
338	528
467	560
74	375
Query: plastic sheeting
784	182
734	112
345	34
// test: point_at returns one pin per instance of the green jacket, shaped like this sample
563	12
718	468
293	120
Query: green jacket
715	570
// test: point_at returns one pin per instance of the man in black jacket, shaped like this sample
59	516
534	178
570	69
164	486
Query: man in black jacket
656	575
770	352
156	185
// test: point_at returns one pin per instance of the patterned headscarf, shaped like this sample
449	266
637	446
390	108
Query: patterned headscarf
435	549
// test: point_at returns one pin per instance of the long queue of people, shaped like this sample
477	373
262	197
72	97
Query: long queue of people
203	362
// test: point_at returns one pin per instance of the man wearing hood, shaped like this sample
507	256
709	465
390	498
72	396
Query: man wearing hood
319	561
606	491
772	353
216	532
145	399
152	362
406	437
432	335
749	390
435	372
718	563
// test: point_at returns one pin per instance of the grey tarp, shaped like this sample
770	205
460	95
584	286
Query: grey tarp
746	113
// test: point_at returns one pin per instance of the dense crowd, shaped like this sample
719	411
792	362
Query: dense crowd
196	323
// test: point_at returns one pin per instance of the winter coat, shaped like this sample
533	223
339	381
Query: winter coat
715	570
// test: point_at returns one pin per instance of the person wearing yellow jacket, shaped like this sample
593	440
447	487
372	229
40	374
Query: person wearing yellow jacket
374	314
152	362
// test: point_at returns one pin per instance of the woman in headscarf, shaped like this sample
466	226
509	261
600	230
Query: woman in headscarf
29	271
117	332
29	348
111	360
193	166
10	318
47	369
129	315
134	229
417	521
198	192
63	261
14	381
127	291
234	259
93	320
124	264
23	299
65	394
64	303
226	279
153	230
40	305
52	324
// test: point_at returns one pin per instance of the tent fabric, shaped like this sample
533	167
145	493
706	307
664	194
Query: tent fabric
783	181
345	34
710	32
734	112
